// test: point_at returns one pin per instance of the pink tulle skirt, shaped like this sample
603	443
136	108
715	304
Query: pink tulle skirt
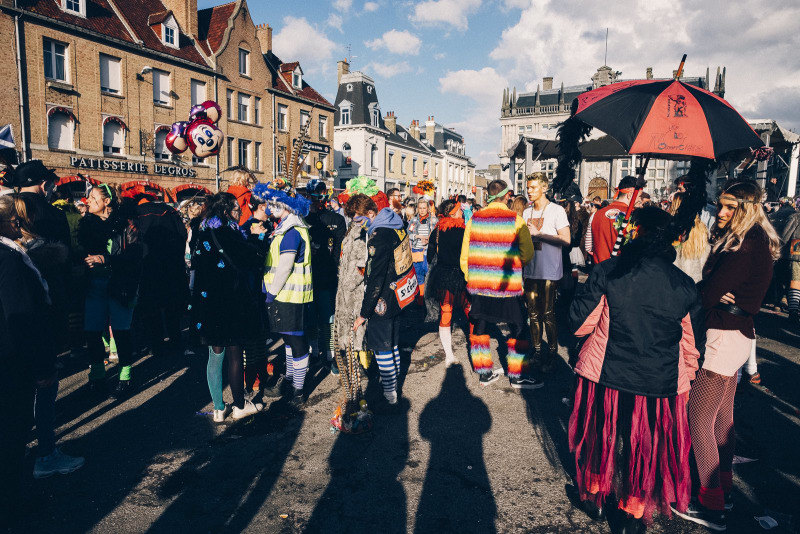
634	446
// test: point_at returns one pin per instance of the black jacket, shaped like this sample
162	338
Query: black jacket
389	276
163	235
326	232
50	222
638	327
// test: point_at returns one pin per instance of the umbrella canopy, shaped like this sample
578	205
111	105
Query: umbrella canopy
666	118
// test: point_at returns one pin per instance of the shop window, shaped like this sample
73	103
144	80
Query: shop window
110	74
113	138
55	60
60	130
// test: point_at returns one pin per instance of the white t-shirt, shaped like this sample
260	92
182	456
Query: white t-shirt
547	263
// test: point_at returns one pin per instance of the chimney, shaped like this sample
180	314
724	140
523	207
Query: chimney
430	130
675	73
390	121
547	83
414	129
185	12
264	34
342	68
649	73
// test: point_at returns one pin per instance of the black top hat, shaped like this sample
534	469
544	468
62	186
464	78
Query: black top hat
30	173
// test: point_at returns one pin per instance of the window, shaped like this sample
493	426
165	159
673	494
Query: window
76	7
297	78
529	128
257	111
229	102
109	74
282	115
304	117
161	87
373	157
244	62
257	157
244	153
198	89
281	152
349	86
160	151
414	166
521	132
390	163
369	89
323	127
230	151
169	35
198	161
376	117
60	129
344	116
425	168
403	164
244	107
113	138
55	60
346	155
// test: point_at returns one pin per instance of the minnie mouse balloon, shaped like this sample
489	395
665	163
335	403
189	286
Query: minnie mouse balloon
200	134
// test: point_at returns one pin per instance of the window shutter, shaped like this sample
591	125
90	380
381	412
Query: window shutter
105	74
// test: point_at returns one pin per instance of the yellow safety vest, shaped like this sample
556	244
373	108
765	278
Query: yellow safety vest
298	288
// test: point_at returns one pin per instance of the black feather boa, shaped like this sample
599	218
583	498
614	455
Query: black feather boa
571	133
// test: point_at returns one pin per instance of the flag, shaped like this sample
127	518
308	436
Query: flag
7	137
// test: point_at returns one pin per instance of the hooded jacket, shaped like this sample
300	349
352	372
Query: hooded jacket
645	328
390	280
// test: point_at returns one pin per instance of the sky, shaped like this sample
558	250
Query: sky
453	58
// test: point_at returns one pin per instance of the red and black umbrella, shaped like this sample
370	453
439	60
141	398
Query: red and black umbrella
666	118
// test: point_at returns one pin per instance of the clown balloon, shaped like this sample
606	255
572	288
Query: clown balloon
200	134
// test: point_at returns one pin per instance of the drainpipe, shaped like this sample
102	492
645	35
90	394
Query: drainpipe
274	141
216	99
23	131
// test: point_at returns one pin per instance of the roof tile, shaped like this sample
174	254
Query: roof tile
100	17
212	23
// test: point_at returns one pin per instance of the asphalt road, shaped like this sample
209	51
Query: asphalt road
455	457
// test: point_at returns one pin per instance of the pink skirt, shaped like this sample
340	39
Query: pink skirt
634	446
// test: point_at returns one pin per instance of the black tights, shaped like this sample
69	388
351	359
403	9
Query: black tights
235	360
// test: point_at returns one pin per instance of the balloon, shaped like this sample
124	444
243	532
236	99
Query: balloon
200	134
175	141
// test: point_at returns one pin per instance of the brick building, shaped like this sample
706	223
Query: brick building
94	86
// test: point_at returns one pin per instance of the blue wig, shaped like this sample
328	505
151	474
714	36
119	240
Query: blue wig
275	197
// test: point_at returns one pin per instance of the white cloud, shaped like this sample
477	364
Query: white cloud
517	4
335	21
445	12
388	70
397	42
343	5
484	86
439	55
369	7
314	51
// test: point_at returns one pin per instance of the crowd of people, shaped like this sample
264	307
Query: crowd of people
657	335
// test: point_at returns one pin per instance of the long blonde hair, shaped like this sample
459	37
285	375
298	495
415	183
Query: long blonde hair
696	243
242	177
748	213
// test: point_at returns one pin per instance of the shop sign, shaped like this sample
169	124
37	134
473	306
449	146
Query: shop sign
115	165
316	147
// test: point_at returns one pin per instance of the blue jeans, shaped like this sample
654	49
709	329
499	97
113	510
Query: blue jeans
421	268
44	414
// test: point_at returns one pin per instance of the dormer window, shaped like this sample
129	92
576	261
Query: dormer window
369	89
297	78
75	7
345	108
349	86
169	32
375	115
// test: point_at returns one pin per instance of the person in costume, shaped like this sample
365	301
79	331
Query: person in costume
735	281
790	240
419	230
326	230
628	429
390	284
550	232
224	305
496	245
241	184
288	283
601	225
446	281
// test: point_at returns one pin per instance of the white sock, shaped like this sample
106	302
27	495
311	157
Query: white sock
446	337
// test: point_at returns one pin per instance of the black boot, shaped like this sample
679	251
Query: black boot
595	512
630	525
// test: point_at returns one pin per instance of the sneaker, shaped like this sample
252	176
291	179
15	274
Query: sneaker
697	513
56	462
487	378
391	397
525	383
755	379
297	401
334	368
449	362
219	415
250	408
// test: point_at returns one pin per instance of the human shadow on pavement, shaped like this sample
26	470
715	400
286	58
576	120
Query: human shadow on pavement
365	494
457	494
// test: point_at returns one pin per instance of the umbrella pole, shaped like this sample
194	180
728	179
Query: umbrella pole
623	231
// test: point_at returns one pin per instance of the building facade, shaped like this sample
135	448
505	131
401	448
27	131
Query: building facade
408	159
537	115
458	171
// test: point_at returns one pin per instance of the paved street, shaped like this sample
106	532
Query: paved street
457	457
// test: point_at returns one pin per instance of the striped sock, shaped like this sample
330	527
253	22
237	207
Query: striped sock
396	354
517	350
481	354
289	364
300	370
388	371
326	340
794	300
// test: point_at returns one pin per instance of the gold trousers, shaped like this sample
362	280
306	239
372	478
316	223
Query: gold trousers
540	296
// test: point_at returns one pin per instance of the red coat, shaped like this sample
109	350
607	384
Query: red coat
242	195
603	233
